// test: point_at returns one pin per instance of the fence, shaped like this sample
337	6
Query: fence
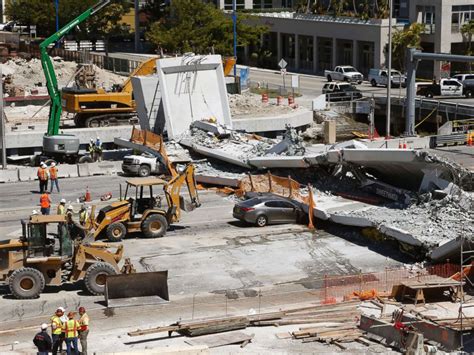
324	290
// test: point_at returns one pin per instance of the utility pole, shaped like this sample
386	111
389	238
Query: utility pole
389	74
234	22
2	125
137	27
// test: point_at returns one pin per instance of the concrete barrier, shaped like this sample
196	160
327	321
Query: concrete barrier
67	171
83	169
104	168
9	175
27	174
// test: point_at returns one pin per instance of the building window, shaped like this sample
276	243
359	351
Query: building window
426	15
288	49
257	4
267	4
324	54
305	47
240	4
461	14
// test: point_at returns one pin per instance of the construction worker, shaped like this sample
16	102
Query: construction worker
57	330
98	149
42	340
43	176
70	329
53	176
61	210
91	149
83	215
83	329
76	230
45	203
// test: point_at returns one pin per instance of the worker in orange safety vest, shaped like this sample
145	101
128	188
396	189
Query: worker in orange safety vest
53	176
43	176
71	329
45	203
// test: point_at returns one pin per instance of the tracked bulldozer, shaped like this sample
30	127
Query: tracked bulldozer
47	254
140	210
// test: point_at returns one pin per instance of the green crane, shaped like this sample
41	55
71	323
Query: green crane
53	143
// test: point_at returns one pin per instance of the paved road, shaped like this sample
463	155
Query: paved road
312	85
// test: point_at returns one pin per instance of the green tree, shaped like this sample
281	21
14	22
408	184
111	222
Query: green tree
467	31
42	14
194	26
409	37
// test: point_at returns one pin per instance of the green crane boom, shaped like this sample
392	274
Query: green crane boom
51	81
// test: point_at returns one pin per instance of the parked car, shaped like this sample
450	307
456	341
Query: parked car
141	165
341	92
344	73
468	87
446	87
7	26
380	77
462	77
268	209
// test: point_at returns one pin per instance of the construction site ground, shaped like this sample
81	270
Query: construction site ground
216	263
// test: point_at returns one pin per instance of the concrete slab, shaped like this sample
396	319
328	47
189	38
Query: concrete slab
83	169
274	162
400	235
193	88
215	153
299	118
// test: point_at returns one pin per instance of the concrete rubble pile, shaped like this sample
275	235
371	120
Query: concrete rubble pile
247	104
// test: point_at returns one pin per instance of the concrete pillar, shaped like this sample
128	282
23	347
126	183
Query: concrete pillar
442	33
354	53
315	54
334	52
278	46
297	52
246	54
248	4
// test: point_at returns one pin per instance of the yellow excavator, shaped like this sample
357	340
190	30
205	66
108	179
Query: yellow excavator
140	210
96	107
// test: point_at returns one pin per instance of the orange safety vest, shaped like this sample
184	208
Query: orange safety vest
42	173
53	173
70	328
56	325
44	201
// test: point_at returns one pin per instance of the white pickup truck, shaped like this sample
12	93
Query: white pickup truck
380	77
344	73
142	165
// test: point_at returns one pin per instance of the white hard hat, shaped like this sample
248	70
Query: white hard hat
44	326
53	164
62	309
34	212
69	208
98	137
92	139
43	164
63	200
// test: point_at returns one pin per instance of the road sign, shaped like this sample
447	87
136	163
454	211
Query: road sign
283	72
295	81
282	63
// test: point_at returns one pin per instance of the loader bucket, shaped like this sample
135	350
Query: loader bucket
136	289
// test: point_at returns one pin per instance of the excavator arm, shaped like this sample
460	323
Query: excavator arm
173	189
48	68
147	67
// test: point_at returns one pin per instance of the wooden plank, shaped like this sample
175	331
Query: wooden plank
286	335
216	340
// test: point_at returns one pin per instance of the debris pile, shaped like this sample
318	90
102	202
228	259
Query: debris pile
251	105
27	75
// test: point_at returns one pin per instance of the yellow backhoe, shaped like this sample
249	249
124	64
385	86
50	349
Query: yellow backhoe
142	211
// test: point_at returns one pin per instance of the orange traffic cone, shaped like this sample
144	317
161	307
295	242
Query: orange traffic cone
399	144
88	195
469	140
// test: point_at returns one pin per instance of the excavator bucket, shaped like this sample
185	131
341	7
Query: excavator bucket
136	289
185	205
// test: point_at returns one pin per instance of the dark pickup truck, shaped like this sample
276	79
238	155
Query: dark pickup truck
468	87
341	92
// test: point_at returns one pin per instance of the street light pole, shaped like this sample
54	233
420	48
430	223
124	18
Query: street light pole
56	4
389	74
234	23
137	27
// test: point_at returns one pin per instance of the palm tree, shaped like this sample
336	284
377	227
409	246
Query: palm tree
467	31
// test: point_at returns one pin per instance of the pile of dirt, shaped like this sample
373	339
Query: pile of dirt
29	75
251	105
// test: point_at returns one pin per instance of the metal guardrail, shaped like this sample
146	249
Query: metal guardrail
448	139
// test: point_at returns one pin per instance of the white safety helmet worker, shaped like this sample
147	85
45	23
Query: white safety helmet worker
53	164
34	212
43	164
62	201
69	208
44	326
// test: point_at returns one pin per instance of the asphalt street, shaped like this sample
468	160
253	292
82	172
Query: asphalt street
311	85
